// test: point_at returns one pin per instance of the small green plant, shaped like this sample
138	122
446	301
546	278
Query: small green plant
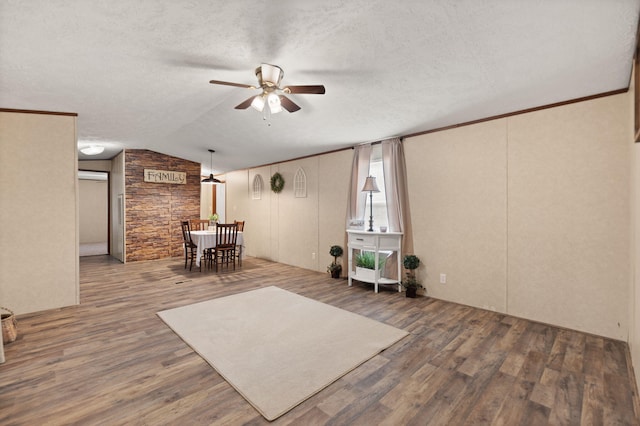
213	217
336	252
411	263
335	268
367	259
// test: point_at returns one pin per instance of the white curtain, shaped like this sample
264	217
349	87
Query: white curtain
395	185
359	172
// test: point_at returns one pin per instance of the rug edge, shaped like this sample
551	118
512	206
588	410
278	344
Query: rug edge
332	381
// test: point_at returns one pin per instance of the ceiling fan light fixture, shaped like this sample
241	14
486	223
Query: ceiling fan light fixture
274	103
271	74
258	103
272	96
92	150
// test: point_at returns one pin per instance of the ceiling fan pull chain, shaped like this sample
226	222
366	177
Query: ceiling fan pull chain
266	113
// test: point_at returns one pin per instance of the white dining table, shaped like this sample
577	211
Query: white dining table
207	239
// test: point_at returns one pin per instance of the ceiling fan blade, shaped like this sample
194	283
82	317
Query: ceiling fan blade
226	83
288	104
246	104
313	90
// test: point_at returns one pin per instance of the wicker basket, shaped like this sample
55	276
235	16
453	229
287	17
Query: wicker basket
9	326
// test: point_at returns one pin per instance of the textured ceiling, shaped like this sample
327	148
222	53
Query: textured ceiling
137	72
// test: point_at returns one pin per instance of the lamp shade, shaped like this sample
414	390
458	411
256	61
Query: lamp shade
274	103
210	179
258	103
370	185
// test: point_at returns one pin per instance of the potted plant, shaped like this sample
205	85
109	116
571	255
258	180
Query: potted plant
335	268
410	282
366	266
213	218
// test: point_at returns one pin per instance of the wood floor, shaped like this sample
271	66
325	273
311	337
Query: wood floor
112	361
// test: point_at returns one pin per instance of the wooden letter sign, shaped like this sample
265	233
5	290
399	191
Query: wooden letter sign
164	176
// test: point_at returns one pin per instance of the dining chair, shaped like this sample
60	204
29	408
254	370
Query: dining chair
240	224
199	224
225	249
190	248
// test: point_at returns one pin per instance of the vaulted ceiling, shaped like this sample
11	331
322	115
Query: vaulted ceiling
137	72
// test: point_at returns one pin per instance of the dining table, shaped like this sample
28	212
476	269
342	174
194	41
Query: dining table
207	239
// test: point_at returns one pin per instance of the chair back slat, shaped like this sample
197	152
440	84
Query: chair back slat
240	224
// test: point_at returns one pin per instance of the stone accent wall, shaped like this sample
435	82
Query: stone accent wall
154	210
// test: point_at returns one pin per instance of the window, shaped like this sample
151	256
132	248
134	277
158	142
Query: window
257	187
300	184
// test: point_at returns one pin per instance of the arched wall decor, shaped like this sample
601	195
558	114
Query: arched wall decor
257	187
300	184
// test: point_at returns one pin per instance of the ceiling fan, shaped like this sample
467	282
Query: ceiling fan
272	96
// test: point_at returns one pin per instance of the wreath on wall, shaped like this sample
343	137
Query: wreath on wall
277	182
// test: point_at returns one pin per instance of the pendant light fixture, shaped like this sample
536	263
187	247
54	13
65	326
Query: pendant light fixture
211	179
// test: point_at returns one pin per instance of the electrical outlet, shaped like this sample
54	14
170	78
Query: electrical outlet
443	278
313	256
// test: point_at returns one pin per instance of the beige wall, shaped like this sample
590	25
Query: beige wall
457	191
38	181
118	218
283	228
569	222
95	165
634	292
527	215
93	210
634	289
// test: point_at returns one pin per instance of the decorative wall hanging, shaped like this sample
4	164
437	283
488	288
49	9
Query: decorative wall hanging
257	187
300	184
165	176
277	182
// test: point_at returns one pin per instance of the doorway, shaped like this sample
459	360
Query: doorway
93	190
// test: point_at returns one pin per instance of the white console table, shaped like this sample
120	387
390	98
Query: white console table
375	242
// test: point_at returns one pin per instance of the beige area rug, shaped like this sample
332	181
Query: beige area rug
277	348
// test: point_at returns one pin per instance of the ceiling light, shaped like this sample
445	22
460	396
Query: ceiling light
211	179
92	150
274	103
258	103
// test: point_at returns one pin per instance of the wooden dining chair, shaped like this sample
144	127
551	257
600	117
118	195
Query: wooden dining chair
240	224
202	225
190	248
199	224
225	249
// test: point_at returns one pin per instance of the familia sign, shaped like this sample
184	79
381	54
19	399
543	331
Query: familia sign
164	176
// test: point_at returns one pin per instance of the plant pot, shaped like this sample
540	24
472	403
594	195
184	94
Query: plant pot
412	292
335	273
366	274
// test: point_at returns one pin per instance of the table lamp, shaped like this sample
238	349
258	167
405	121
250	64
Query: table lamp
371	186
